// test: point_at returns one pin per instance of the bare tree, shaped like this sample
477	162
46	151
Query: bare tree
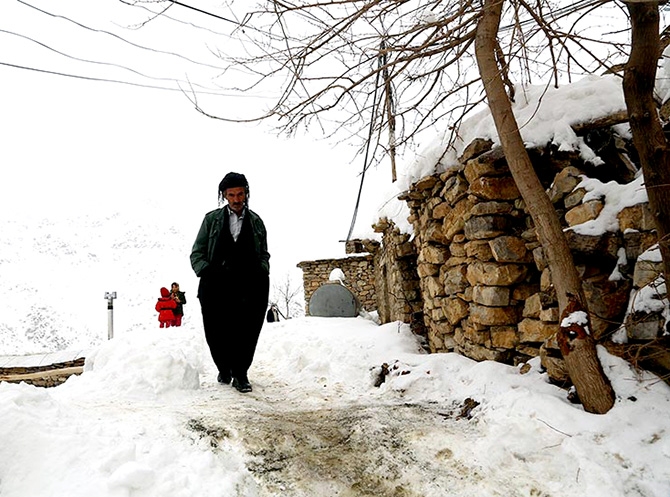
649	137
577	344
286	295
385	72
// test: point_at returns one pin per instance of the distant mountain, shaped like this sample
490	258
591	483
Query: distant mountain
55	272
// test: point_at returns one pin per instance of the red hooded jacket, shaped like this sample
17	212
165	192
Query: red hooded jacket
165	306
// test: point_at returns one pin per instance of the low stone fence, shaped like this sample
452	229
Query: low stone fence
358	277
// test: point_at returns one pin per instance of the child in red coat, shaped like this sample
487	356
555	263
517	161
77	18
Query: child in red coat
165	307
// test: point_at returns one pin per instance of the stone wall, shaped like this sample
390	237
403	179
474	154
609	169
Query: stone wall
358	277
486	288
397	280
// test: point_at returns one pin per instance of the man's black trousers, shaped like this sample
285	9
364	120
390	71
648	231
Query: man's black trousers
233	318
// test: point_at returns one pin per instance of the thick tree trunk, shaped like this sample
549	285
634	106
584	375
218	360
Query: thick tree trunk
648	137
576	343
592	385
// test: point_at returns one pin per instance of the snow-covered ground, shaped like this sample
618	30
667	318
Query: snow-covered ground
147	418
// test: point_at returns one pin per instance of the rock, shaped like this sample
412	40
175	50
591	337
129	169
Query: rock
549	315
455	188
494	274
433	233
493	316
491	163
637	217
636	242
441	210
646	272
492	296
538	257
404	250
484	227
532	307
476	147
474	332
584	212
426	269
455	309
534	330
433	286
546	284
601	248
644	326
607	301
454	221
457	249
492	207
479	249
481	353
504	337
564	183
426	183
555	366
494	188
523	291
509	249
434	254
455	279
575	198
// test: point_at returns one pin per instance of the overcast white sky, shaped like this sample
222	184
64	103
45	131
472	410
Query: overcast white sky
68	143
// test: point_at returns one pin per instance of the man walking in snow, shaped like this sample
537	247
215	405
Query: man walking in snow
230	256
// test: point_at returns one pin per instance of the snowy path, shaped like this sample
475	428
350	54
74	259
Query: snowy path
347	450
148	419
278	444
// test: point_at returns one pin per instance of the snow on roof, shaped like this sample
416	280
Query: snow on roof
545	115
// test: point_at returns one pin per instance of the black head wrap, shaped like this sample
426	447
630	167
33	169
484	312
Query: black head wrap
232	180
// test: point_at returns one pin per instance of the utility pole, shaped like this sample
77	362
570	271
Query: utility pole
110	296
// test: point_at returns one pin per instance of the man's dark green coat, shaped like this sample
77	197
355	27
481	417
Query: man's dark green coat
205	243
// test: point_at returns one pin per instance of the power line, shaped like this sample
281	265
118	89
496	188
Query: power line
366	164
87	78
111	64
203	12
104	80
109	33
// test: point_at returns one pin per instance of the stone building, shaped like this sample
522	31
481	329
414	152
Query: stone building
473	278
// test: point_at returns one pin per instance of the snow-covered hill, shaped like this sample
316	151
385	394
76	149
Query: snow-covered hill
55	272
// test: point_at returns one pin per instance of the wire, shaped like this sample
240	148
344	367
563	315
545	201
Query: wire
203	12
367	148
119	37
87	61
104	80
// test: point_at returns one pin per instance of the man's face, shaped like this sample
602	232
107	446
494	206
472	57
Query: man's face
236	198
175	288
